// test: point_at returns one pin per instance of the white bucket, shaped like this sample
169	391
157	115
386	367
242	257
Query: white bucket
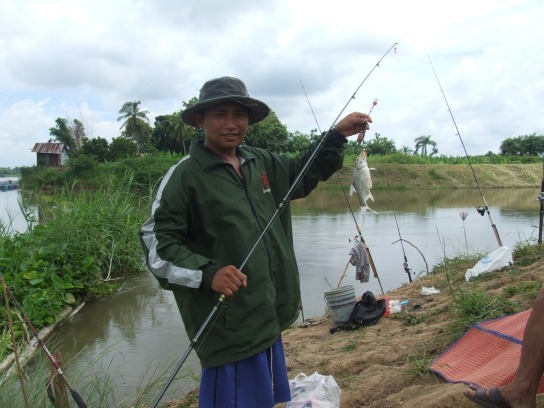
340	301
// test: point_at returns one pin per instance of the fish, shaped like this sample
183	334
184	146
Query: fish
361	182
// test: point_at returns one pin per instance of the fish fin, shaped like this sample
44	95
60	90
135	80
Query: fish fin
351	190
370	196
372	168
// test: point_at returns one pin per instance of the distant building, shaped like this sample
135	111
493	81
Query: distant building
50	154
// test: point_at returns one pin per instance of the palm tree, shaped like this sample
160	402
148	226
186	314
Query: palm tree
405	150
422	142
182	132
135	121
511	147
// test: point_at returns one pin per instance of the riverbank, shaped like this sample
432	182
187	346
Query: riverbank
386	365
417	176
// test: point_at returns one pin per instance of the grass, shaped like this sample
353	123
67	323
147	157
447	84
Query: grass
419	363
83	243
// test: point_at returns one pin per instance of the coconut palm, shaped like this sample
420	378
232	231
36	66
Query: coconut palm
405	150
422	142
135	121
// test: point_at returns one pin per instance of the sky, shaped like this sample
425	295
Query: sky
79	59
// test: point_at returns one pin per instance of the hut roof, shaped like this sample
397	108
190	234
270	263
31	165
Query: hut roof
51	148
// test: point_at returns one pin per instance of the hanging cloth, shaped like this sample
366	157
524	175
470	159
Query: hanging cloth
359	258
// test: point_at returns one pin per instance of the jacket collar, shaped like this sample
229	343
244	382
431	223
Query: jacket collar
207	159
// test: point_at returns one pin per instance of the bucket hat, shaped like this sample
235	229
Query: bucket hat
226	89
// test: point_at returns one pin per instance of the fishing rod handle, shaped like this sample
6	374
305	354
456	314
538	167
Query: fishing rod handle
77	398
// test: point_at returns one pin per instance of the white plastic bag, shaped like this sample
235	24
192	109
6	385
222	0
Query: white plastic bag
495	260
425	291
314	391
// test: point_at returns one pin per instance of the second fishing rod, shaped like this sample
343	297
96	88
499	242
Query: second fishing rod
481	209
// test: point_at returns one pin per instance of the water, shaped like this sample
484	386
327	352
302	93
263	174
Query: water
136	332
430	226
10	213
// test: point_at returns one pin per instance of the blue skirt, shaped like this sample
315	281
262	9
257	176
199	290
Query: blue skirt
258	381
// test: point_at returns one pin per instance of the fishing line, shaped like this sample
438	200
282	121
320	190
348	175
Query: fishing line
361	136
367	249
481	209
281	207
77	398
405	264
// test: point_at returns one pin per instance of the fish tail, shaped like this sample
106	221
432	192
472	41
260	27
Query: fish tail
366	208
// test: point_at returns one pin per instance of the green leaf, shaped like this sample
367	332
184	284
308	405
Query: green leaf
70	299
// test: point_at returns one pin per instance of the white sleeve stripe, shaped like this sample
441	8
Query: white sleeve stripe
159	267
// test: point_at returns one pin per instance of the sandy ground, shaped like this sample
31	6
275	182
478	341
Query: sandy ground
385	365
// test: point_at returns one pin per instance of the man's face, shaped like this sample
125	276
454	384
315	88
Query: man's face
224	125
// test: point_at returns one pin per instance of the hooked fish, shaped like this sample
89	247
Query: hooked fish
361	182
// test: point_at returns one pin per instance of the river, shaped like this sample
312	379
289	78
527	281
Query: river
138	333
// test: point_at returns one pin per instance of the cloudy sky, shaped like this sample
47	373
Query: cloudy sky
80	59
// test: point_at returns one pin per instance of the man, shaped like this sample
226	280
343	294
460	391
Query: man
209	212
521	392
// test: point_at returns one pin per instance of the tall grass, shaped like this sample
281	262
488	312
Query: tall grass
470	304
84	241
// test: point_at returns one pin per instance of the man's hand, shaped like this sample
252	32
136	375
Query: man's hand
355	122
228	280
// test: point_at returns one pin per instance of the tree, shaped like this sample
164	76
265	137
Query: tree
163	134
298	141
135	122
63	134
268	134
405	150
96	147
380	145
78	133
121	147
527	145
422	142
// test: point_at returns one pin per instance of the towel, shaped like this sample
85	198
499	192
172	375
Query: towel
359	258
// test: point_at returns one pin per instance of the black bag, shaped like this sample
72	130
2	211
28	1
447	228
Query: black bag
366	312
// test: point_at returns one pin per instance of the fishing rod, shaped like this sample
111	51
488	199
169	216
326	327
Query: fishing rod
405	264
481	209
541	199
281	207
367	249
77	398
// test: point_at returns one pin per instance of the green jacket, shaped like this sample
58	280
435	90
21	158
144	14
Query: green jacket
206	217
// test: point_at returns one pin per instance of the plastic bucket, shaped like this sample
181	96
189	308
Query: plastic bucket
340	302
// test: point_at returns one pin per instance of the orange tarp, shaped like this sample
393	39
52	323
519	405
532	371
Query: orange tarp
487	355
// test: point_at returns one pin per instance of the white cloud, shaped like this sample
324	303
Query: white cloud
83	59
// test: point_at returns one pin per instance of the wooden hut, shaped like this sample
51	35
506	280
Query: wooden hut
50	154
